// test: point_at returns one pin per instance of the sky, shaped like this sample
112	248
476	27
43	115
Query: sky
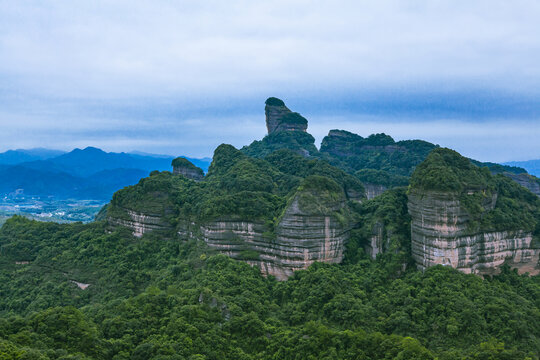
182	77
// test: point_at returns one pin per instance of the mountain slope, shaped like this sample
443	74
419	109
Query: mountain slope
13	157
88	173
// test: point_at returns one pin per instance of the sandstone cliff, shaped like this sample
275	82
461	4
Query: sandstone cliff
140	223
464	217
281	214
373	190
312	228
440	234
280	118
532	183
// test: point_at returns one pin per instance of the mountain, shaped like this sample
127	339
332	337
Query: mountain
467	218
13	157
88	161
304	200
89	173
40	182
277	253
242	202
532	166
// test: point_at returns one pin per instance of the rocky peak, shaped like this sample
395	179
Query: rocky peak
344	134
280	118
182	166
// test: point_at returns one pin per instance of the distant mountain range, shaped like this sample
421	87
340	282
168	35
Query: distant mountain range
13	157
89	173
532	166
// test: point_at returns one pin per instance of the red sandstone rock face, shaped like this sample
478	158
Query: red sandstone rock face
439	236
302	237
373	190
311	229
140	223
276	119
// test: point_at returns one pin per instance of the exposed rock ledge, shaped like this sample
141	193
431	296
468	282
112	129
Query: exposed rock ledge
280	118
140	223
373	190
299	240
439	235
527	181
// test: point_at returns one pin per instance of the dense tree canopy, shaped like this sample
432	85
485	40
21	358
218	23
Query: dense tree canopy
89	291
164	299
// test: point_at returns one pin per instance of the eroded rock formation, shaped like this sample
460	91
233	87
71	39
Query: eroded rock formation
530	182
280	118
441	234
184	167
305	234
373	190
140	223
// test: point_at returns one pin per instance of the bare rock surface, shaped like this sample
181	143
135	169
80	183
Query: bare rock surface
440	235
280	118
301	237
140	223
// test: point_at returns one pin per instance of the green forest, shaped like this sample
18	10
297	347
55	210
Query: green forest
152	298
94	291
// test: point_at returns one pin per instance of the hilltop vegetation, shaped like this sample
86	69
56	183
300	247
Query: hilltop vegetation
94	291
445	170
299	142
236	186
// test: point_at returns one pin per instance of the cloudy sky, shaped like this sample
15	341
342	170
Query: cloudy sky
181	77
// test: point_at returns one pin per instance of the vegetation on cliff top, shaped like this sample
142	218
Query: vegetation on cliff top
293	118
273	101
378	151
237	186
298	141
182	162
445	170
381	177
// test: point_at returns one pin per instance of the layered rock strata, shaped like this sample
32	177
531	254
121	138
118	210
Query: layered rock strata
140	223
184	167
189	173
280	118
301	237
440	235
373	190
530	182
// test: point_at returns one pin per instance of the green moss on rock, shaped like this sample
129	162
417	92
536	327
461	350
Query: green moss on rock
273	101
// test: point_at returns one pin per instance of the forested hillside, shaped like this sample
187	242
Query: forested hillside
155	299
283	251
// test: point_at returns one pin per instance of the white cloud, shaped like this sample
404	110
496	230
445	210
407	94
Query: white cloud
163	48
64	65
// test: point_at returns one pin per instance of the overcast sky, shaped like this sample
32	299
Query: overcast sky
181	77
